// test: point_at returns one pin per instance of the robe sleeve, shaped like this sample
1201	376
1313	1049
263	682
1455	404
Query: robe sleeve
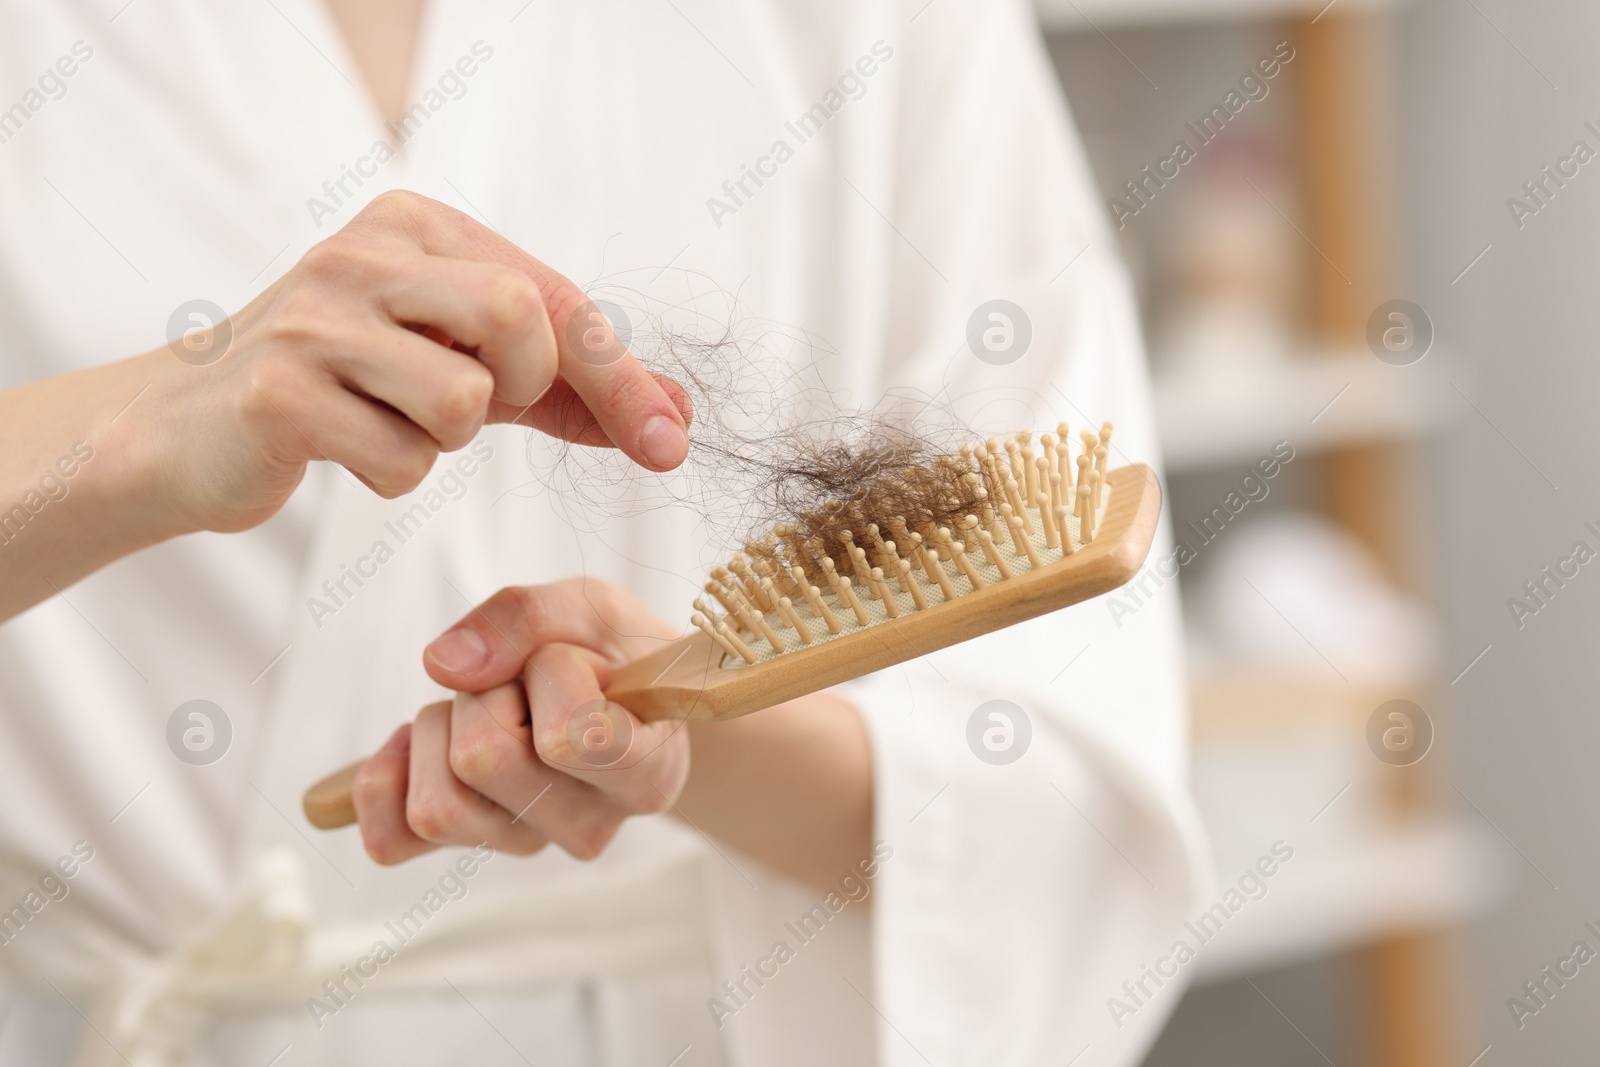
1021	896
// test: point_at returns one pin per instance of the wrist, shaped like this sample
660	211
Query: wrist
140	428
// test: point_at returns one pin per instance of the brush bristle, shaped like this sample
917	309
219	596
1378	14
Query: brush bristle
911	538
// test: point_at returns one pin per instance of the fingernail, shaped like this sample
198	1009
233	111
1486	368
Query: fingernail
663	442
460	651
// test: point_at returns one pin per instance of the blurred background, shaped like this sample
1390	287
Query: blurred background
1379	258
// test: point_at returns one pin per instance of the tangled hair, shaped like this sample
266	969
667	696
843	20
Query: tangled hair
880	484
775	458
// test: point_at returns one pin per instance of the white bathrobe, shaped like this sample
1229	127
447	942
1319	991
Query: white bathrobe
195	150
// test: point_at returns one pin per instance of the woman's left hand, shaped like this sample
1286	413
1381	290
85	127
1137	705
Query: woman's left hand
538	757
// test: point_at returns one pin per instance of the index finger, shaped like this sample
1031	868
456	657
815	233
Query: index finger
636	413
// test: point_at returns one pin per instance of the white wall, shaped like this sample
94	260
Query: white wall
1523	726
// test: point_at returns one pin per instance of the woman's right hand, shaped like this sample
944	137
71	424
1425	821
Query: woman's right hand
391	341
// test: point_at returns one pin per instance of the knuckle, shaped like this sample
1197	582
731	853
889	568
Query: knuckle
608	598
432	817
374	781
514	305
273	378
464	402
566	301
550	742
382	848
402	470
277	386
590	838
330	258
347	259
649	801
629	391
528	609
395	204
300	321
324	257
480	756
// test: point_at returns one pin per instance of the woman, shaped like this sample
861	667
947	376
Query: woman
870	174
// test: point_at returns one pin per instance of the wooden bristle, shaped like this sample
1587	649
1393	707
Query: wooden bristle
820	608
722	641
927	557
881	587
958	553
792	617
1019	537
877	539
770	591
992	550
863	573
752	585
906	575
746	613
716	590
1047	520
1019	508
744	651
1029	472
764	628
830	574
1008	515
854	601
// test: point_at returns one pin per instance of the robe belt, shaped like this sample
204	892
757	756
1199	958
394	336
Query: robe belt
264	951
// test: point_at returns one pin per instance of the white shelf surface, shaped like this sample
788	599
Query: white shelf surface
1426	875
1360	870
1070	15
1314	402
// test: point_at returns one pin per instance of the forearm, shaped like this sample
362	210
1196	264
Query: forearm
790	786
78	477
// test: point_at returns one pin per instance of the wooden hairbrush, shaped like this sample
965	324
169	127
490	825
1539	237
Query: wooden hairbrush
1013	533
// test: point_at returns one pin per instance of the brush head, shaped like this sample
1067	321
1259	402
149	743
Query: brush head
1006	531
911	531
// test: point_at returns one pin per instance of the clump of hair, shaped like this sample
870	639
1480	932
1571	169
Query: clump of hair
879	484
774	460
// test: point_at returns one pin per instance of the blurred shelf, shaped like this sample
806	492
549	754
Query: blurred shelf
1281	754
1314	402
1068	15
1350	891
1243	701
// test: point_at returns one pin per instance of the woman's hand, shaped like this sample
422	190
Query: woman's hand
541	756
393	340
528	752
